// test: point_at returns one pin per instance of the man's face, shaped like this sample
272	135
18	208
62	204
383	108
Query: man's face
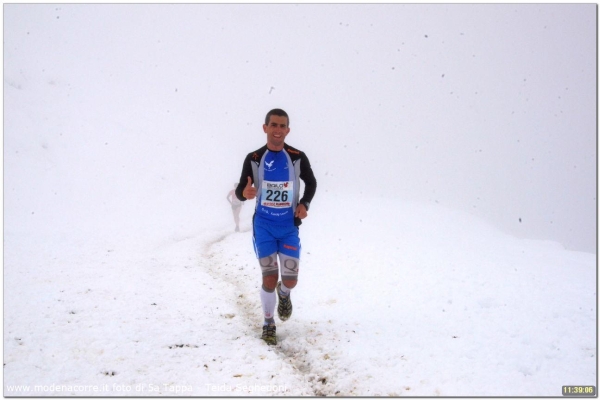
276	131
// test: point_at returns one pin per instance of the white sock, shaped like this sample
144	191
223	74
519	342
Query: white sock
284	289
268	300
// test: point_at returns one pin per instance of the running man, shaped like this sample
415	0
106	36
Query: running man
236	207
272	175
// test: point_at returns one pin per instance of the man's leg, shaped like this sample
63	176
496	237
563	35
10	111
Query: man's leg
289	278
290	267
268	298
265	247
270	275
289	255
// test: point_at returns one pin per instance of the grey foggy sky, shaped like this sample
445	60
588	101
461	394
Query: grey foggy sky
489	108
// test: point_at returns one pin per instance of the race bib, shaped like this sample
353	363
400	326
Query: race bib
277	194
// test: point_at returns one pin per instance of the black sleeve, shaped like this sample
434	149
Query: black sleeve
307	175
246	172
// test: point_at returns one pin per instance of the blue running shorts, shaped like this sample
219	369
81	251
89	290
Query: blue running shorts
269	238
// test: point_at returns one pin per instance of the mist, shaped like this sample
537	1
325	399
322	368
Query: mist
485	108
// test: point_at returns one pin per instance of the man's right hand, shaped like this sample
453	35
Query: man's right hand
249	192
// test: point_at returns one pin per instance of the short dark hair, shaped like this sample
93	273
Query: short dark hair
276	111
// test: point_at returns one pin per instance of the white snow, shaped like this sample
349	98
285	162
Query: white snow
123	275
402	299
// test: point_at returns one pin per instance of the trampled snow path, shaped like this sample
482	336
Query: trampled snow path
88	318
417	300
301	344
394	300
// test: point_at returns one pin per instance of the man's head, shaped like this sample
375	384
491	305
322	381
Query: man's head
279	112
276	127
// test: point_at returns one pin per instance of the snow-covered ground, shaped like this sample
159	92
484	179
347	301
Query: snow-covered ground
393	300
126	125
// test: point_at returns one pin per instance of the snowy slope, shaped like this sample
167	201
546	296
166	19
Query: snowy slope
126	125
398	299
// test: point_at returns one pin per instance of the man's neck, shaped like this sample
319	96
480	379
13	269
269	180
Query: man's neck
275	148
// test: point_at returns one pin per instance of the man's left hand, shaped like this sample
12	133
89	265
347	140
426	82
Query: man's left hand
301	211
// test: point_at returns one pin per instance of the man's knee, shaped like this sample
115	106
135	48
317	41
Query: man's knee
289	271
270	271
290	283
270	282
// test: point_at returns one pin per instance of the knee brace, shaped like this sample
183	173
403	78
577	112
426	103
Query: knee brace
268	265
289	267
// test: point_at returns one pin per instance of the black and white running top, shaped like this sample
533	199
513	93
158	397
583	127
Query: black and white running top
276	176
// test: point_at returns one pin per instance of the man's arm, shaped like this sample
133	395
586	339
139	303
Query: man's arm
310	182
246	172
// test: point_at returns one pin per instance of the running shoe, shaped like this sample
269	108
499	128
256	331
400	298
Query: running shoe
284	308
269	334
